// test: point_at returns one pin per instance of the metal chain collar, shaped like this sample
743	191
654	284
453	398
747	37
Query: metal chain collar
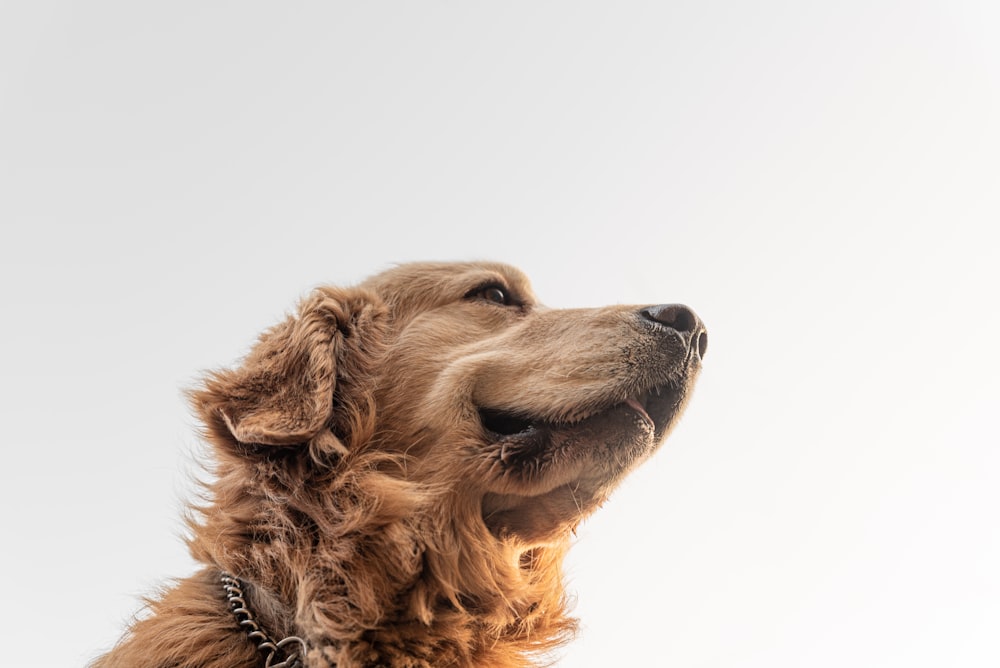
273	650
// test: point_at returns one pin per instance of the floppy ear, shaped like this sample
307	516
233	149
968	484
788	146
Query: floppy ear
304	376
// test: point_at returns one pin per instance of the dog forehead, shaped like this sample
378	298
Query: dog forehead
420	285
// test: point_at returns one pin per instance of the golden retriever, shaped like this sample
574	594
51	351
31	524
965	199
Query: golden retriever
399	467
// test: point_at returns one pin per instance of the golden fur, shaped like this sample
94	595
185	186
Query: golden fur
399	467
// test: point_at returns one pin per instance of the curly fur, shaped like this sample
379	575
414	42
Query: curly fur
359	496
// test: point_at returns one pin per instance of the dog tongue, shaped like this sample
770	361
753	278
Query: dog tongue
634	403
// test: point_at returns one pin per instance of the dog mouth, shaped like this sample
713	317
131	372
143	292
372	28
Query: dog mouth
545	474
655	406
599	443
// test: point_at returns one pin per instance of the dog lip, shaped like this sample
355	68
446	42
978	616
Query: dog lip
503	424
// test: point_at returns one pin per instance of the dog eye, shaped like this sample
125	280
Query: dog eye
492	293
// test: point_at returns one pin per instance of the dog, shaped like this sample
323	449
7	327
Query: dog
399	467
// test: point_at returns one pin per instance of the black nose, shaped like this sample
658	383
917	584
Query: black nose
681	319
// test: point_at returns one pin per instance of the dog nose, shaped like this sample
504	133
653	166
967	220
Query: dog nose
682	320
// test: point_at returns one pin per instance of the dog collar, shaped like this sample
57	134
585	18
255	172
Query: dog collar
276	654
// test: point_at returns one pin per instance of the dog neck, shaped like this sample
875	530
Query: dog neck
387	582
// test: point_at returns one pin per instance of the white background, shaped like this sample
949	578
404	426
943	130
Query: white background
818	179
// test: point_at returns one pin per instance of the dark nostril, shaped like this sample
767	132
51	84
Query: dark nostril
682	319
675	316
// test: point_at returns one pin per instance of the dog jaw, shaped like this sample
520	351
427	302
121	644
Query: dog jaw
547	477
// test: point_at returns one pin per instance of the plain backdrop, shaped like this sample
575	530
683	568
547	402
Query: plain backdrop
819	180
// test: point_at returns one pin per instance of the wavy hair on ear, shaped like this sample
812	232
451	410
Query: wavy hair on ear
305	381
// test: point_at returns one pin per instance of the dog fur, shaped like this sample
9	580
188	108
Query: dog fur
399	467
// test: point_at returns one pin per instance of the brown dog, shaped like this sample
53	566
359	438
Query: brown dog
400	466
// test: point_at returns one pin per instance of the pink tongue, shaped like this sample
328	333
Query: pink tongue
638	408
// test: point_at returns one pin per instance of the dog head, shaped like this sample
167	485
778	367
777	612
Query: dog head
530	415
536	413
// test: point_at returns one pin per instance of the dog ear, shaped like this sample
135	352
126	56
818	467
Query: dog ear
303	379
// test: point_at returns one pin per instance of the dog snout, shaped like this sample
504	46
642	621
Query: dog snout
682	320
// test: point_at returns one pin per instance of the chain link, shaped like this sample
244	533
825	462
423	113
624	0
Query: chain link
238	606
